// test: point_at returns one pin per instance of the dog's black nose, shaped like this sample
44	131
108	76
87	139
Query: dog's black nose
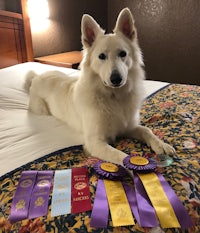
115	78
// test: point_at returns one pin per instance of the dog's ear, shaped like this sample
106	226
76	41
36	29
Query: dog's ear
90	29
125	24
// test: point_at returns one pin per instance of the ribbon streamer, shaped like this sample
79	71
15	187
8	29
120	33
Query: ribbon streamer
40	195
146	211
61	196
130	193
116	197
159	200
21	200
181	213
167	205
81	201
119	207
100	211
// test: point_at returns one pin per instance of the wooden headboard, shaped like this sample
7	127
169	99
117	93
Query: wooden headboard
15	37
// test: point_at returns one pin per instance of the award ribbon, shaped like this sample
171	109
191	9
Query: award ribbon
159	192
178	207
146	211
20	203
40	195
100	211
116	197
61	196
163	208
119	206
80	190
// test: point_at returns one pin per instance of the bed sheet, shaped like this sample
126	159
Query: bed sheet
24	136
173	114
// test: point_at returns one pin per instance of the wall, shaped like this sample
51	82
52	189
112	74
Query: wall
168	31
63	33
169	35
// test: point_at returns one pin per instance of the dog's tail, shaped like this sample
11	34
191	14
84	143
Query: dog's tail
28	80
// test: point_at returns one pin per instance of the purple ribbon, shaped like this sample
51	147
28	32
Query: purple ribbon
40	195
147	216
146	211
100	211
131	196
20	203
180	211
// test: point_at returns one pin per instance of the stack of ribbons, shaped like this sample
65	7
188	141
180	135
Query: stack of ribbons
152	201
70	193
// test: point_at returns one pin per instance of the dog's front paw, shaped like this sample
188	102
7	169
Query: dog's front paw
160	147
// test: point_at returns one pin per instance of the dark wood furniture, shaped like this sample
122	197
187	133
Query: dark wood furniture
15	37
69	59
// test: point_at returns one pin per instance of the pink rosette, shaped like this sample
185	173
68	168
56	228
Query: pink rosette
148	166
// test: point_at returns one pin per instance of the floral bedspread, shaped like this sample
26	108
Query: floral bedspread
173	114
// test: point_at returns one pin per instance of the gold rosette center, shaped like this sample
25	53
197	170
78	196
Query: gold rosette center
139	160
109	167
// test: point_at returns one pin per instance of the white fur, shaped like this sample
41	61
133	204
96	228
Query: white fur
91	103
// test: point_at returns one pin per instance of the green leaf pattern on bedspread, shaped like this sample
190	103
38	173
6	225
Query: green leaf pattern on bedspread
173	114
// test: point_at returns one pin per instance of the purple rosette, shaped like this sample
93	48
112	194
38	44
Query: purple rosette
110	174
138	163
100	211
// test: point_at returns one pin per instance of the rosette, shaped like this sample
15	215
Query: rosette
110	171
110	194
137	163
157	200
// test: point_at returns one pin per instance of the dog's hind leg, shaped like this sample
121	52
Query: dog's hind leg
37	105
146	135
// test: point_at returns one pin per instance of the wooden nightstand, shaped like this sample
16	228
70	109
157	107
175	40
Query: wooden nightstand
69	59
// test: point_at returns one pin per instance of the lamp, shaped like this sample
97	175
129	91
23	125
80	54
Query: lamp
38	11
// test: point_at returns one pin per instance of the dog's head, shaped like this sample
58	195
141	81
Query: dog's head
111	56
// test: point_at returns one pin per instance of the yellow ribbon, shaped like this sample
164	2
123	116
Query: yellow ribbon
119	207
159	200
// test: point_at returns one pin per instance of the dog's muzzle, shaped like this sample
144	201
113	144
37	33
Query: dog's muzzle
116	79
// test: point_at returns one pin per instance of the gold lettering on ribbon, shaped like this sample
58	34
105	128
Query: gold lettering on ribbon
26	183
40	193
39	201
159	200
61	200
61	187
20	204
81	198
42	183
119	207
80	185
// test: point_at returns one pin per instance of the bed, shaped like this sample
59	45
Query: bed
41	143
31	142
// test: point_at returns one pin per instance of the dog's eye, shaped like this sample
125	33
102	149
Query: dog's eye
122	53
102	56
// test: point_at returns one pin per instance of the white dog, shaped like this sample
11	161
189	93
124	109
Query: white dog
105	101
